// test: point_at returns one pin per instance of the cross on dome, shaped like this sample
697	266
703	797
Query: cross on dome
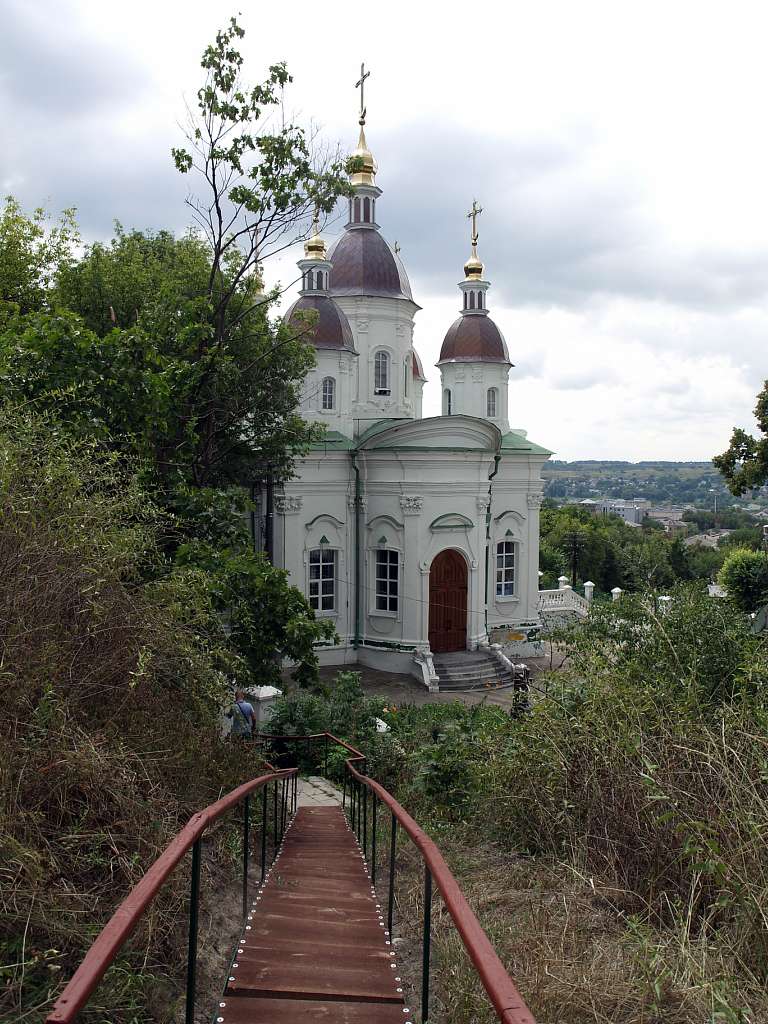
473	268
360	84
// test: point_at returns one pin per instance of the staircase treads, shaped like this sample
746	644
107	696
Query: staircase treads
286	925
249	1010
288	940
314	947
301	897
314	977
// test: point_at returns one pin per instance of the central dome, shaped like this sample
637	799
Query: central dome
362	263
474	339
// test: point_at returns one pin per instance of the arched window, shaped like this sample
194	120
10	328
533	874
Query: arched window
479	300
505	569
471	300
367	210
407	374
491	403
447	405
381	373
329	393
356	217
465	300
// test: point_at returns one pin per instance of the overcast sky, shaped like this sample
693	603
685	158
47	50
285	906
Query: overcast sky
619	151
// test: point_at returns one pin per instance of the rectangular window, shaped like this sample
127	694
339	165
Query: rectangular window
505	569
387	578
322	580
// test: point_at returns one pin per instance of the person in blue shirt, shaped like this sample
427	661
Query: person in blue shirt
243	717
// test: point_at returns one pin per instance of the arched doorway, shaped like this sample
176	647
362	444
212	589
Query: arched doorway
448	603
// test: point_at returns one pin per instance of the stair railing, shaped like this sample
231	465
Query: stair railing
507	1002
123	922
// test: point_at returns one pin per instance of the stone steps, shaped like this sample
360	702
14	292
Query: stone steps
471	670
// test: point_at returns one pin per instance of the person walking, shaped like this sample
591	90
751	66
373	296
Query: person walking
243	717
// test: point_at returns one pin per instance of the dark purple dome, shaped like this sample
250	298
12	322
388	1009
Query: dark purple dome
362	263
474	338
330	328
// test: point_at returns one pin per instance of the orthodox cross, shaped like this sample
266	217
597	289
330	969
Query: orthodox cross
473	215
397	248
360	84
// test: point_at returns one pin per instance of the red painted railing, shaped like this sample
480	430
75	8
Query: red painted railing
125	919
501	990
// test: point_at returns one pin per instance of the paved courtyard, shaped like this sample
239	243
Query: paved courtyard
402	689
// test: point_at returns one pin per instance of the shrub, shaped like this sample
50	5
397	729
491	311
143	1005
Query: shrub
744	575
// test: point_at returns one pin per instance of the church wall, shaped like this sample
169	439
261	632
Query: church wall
469	384
421	504
381	324
515	519
316	512
341	367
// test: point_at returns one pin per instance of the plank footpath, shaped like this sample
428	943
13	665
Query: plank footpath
315	945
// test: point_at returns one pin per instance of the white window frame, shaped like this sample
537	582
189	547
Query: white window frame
382	373
390	573
505	576
447	402
327	557
323	395
492	394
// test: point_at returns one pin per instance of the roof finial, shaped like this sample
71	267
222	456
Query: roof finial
360	84
367	169
314	247
473	268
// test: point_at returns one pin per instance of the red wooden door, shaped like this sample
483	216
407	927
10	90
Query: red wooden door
448	603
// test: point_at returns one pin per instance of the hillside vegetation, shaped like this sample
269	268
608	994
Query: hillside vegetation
612	841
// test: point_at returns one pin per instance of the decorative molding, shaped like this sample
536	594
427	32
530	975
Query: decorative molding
477	374
535	499
362	325
287	504
482	504
411	504
353	502
451	521
459	375
327	517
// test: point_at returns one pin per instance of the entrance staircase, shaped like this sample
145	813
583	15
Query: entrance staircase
471	670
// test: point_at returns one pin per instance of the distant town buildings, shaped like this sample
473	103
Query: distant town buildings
635	510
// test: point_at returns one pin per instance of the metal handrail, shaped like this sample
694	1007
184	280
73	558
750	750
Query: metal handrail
501	990
117	930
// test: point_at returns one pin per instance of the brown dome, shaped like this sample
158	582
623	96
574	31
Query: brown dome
472	339
362	263
330	329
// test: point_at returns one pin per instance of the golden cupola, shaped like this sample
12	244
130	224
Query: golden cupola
365	166
314	247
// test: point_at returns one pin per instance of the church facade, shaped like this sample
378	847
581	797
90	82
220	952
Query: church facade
413	535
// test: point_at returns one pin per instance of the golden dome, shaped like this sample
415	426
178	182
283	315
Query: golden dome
473	268
314	247
367	172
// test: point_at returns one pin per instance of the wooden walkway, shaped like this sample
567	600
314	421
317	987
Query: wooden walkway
315	946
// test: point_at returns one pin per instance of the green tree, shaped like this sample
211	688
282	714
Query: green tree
744	464
32	253
744	575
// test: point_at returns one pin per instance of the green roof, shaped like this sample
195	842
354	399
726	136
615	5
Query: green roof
512	442
333	441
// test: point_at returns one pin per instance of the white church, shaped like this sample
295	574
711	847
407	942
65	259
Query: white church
415	536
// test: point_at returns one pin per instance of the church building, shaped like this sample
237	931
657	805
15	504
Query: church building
414	535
